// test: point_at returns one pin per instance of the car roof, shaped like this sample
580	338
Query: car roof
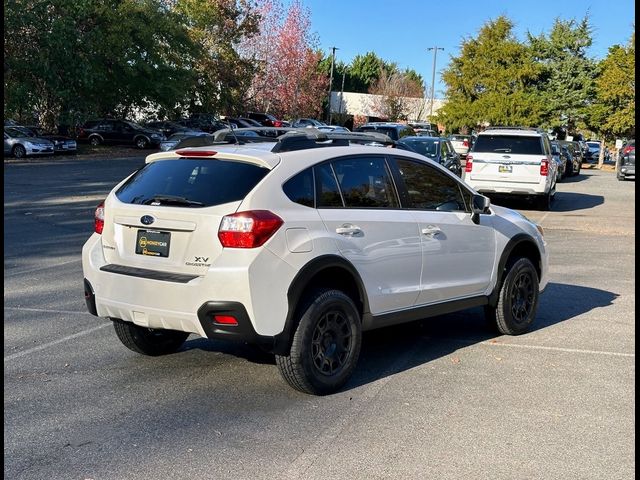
511	131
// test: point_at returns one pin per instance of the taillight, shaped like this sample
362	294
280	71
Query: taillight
544	167
277	123
81	132
99	218
465	143
248	229
469	165
627	149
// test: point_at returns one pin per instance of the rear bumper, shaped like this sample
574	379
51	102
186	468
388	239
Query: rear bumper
509	188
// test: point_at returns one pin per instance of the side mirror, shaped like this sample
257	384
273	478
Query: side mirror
479	204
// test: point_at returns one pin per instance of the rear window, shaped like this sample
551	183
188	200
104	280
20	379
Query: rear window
192	182
389	131
523	145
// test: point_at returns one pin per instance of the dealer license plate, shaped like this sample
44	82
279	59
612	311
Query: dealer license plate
153	243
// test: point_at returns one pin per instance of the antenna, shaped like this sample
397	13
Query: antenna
232	132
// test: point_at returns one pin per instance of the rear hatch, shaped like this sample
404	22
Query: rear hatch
507	158
166	216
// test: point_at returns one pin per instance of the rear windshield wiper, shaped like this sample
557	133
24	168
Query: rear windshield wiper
173	200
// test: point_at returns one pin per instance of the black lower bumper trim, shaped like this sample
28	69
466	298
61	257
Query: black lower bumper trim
90	298
243	331
146	273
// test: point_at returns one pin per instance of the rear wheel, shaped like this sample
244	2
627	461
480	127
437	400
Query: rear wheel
141	143
94	141
325	346
518	299
148	341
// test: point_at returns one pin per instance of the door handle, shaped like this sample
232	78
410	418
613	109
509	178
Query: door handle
348	230
431	230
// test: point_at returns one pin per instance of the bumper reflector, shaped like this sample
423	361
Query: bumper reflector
225	320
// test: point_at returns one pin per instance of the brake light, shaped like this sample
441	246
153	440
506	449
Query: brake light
465	143
249	229
99	218
469	165
544	167
277	123
196	153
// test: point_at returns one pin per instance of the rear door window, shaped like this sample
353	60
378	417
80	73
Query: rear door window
191	182
514	144
365	182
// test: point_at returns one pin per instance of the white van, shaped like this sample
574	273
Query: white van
513	161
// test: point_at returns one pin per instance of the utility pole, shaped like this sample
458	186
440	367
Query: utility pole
342	93
333	58
433	78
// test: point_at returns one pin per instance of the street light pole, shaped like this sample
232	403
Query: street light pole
433	78
333	58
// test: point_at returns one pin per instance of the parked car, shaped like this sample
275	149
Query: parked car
560	157
594	151
265	119
628	147
61	143
395	131
574	157
205	122
332	128
119	132
250	121
21	143
461	143
307	122
626	167
425	132
438	149
513	161
172	142
167	127
301	250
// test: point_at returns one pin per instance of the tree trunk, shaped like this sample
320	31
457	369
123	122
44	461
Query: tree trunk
601	156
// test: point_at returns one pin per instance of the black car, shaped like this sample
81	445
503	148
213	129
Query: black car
438	149
265	119
119	132
61	143
561	158
206	122
395	131
239	122
573	152
167	127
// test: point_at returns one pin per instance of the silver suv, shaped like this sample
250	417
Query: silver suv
299	245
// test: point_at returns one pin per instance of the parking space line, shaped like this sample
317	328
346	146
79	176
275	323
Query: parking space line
55	342
45	310
41	267
560	349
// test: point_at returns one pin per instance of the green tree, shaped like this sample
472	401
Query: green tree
365	70
566	85
613	111
491	82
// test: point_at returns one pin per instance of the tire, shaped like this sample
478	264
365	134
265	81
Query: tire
141	143
569	170
19	151
517	301
148	341
94	141
543	202
326	344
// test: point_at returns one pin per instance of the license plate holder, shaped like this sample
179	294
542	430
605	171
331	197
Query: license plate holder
153	243
505	168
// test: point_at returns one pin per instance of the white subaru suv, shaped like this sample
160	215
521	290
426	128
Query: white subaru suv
300	244
513	161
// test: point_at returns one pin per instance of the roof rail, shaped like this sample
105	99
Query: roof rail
290	139
504	127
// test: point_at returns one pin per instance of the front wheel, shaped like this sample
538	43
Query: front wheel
94	141
325	346
19	151
141	143
517	301
148	341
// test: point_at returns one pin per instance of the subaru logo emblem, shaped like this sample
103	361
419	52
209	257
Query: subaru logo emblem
147	219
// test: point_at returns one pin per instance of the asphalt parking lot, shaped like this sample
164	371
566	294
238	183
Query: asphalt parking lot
443	398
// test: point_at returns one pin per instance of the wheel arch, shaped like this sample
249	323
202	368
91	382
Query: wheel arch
141	135
95	135
521	245
329	271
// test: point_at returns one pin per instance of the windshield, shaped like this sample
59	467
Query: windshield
18	132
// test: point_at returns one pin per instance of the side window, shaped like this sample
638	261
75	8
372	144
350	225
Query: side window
365	182
444	146
430	189
300	188
327	193
547	144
